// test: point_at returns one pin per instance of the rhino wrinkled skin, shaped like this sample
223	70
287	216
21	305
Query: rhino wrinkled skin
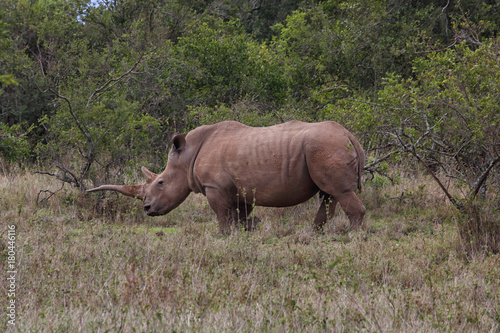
238	167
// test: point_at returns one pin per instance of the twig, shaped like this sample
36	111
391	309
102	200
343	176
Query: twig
379	160
111	82
413	151
369	167
80	126
482	178
38	201
64	177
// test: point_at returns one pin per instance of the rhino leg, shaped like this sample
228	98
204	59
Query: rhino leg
223	208
327	203
250	224
353	207
229	214
339	181
241	214
224	216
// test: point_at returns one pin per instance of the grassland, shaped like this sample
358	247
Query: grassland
100	265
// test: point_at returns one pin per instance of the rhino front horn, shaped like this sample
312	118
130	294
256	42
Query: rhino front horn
136	191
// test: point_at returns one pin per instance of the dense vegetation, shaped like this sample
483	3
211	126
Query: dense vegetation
90	90
92	85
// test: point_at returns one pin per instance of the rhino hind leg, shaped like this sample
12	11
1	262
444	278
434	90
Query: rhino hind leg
345	196
353	207
326	210
337	180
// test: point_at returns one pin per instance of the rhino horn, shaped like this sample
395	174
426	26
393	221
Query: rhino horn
150	176
136	191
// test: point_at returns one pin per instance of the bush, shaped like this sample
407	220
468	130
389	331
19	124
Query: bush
479	228
14	144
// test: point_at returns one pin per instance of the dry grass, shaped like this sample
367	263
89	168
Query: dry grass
100	265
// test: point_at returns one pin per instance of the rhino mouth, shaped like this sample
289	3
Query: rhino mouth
156	211
153	213
150	212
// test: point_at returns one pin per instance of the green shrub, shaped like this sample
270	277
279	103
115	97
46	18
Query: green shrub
14	144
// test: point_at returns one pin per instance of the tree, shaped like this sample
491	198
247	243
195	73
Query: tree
75	86
451	120
446	117
97	124
217	65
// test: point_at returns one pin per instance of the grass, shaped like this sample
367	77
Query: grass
92	265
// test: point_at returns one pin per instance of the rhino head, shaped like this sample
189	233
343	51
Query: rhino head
162	192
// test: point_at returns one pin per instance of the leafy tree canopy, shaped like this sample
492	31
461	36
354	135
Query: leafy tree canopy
92	80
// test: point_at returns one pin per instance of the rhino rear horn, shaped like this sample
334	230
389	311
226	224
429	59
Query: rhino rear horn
150	176
136	191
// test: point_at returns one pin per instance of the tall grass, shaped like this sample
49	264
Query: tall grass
95	265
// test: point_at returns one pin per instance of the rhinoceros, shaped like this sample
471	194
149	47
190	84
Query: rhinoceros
238	167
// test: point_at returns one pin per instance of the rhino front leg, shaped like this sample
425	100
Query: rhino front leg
242	214
223	207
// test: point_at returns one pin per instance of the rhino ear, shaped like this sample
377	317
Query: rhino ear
150	176
179	141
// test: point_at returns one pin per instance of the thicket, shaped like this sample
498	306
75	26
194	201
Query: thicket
89	88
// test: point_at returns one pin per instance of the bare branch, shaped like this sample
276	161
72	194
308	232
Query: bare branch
66	177
47	173
379	160
482	178
75	180
80	126
412	150
112	82
38	201
39	58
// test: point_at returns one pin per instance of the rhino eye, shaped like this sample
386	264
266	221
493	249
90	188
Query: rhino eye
160	182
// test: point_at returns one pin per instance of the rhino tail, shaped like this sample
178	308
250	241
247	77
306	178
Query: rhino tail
361	158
